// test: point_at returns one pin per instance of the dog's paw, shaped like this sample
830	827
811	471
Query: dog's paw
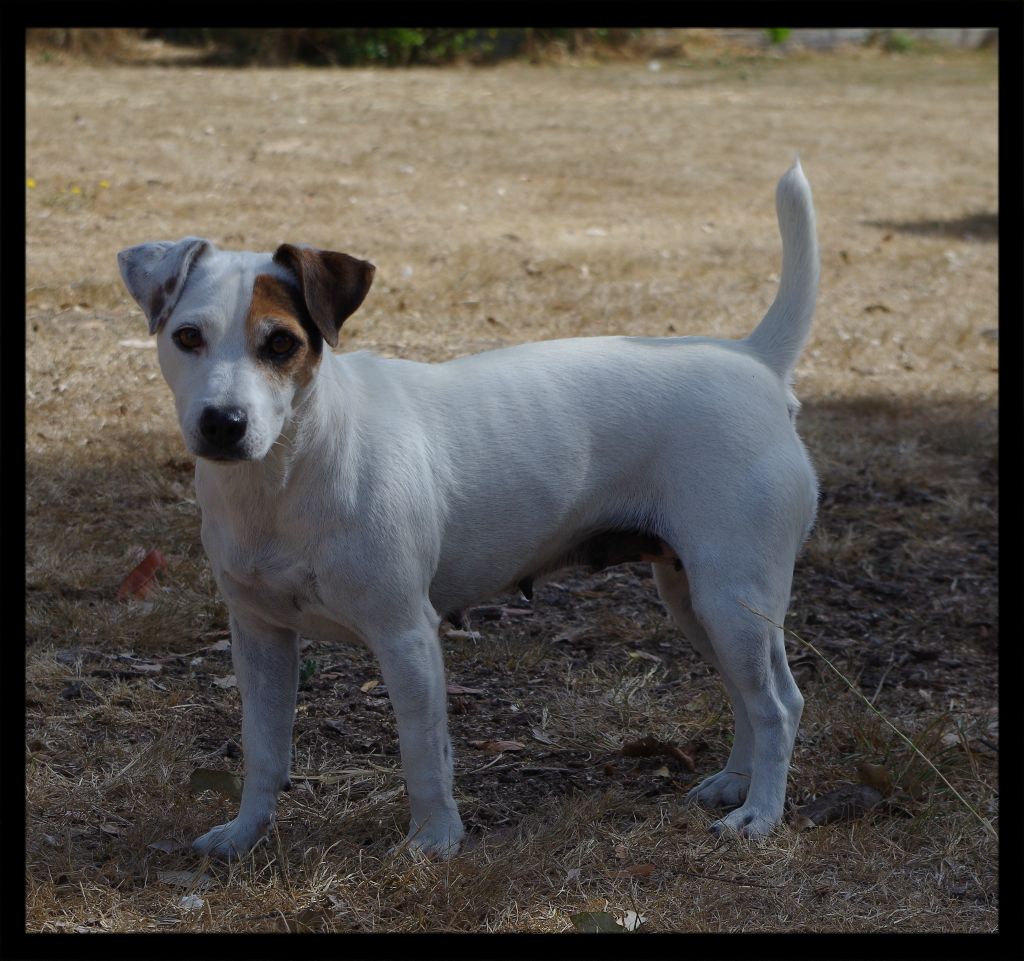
232	840
725	789
438	843
747	822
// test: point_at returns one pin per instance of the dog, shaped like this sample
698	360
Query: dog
353	497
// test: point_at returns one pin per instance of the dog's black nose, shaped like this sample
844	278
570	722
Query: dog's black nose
223	427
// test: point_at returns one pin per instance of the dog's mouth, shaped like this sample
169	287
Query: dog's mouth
223	457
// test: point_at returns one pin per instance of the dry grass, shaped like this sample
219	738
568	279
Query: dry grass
500	206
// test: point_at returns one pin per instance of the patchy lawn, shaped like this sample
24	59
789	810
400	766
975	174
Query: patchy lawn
503	205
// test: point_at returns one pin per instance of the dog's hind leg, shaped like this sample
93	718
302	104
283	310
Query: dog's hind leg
728	787
751	656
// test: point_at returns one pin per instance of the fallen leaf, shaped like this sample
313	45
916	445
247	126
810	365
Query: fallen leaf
539	735
109	828
497	747
841	803
222	782
142	579
228	681
219	646
167	845
459	689
651	747
644	656
802	823
185	879
635	871
464	635
192	902
596	922
876	776
369	685
631	920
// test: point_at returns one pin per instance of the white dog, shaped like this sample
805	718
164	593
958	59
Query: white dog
356	497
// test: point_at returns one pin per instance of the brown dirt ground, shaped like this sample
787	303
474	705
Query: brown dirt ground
503	205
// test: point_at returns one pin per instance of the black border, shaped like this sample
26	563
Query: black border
1007	16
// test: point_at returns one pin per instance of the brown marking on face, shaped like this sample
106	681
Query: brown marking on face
277	306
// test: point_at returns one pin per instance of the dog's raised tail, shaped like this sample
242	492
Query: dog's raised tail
781	335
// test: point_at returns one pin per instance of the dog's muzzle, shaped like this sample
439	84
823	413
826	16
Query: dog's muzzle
222	430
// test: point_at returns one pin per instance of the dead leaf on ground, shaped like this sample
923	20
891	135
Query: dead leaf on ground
142	579
650	746
229	681
369	685
604	922
185	879
841	803
876	776
539	735
497	747
635	871
459	689
596	922
644	655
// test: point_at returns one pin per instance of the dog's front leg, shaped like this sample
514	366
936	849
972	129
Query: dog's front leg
266	661
413	670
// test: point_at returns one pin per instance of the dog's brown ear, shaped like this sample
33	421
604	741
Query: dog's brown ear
332	284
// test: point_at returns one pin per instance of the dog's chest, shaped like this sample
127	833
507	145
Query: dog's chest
266	579
270	573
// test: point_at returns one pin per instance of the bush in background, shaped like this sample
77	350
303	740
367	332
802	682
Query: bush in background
391	46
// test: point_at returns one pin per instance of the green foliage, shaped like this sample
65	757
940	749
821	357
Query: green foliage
778	35
891	41
390	46
307	669
897	42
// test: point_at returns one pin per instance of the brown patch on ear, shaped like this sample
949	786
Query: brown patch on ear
156	302
333	285
274	300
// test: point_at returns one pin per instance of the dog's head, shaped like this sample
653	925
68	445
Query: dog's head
241	334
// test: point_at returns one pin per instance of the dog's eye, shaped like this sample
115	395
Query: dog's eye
188	338
280	344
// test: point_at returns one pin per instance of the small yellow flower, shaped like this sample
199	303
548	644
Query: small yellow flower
76	190
30	183
104	184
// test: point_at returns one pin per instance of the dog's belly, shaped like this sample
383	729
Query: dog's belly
591	552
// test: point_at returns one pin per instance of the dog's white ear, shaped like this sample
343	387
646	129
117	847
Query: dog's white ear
155	274
333	285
